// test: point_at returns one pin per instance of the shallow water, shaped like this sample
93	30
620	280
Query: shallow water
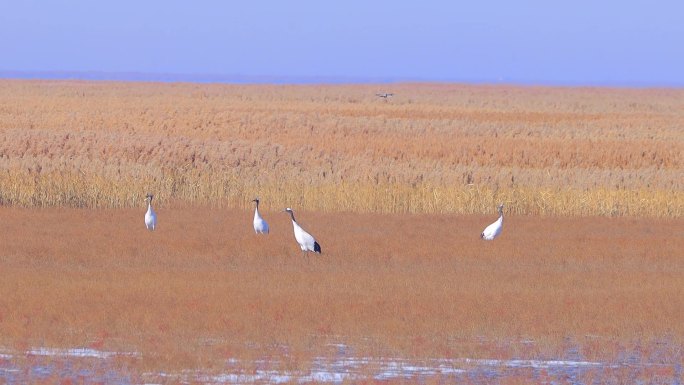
90	366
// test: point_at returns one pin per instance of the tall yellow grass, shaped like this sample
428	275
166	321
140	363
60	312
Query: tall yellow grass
60	189
432	149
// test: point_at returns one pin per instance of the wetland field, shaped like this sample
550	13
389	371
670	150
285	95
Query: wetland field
585	285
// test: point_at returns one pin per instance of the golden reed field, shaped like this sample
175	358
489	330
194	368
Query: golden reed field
431	149
396	192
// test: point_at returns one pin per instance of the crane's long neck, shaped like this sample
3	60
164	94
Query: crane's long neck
257	205
292	216
149	205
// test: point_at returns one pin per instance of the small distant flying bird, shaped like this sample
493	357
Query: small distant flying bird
384	95
260	225
150	216
492	231
306	241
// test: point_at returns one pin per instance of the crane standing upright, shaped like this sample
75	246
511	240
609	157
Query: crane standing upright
260	225
305	240
150	215
494	230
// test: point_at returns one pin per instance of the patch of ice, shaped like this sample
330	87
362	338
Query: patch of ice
323	369
535	364
405	369
325	376
271	377
79	353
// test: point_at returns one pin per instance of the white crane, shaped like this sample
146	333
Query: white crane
492	231
150	216
306	241
260	225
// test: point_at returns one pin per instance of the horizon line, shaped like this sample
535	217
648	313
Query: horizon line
172	77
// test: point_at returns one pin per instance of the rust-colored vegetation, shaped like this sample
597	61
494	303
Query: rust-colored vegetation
396	192
431	149
203	287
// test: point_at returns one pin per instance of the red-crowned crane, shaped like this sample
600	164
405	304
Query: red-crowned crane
306	241
150	216
494	230
260	225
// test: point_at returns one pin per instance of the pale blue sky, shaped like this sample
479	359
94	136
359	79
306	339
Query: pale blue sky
537	42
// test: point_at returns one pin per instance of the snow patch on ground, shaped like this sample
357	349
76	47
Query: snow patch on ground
331	370
79	353
338	368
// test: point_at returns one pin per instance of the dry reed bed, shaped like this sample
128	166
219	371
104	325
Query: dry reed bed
432	149
204	288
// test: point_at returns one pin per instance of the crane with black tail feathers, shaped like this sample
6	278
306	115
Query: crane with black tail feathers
305	240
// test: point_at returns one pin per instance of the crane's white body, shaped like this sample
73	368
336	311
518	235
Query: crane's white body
494	230
260	225
150	216
305	240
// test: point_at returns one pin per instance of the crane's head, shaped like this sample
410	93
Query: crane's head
500	208
256	200
289	211
149	196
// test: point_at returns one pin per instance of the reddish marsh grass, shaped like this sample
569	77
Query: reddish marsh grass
203	287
